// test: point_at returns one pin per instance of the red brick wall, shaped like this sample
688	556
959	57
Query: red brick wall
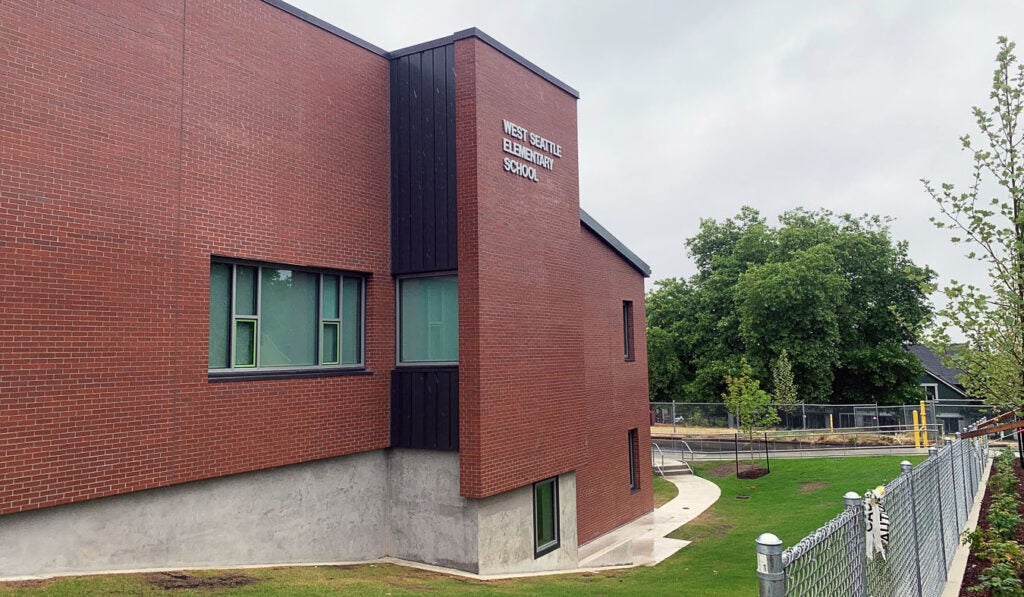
139	138
520	333
616	393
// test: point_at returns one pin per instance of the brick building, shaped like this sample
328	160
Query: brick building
272	294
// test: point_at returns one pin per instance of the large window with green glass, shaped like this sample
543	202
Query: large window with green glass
428	320
545	516
265	317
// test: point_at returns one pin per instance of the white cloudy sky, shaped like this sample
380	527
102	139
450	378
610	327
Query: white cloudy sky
692	109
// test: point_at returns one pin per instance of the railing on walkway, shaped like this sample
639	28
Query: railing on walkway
927	508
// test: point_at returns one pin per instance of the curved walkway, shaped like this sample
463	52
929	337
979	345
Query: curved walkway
643	541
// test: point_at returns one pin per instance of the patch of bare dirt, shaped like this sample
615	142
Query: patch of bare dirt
184	580
26	584
813	486
751	472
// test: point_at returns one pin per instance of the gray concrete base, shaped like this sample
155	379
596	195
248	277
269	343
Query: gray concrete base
326	510
363	507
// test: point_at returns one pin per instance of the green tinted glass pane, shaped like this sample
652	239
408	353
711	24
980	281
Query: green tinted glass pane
429	319
288	318
329	304
351	324
544	502
245	291
245	343
330	343
220	315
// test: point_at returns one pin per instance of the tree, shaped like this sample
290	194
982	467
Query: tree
835	292
749	403
988	217
782	381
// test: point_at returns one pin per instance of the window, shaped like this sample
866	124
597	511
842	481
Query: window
627	329
266	317
545	516
634	460
931	391
428	320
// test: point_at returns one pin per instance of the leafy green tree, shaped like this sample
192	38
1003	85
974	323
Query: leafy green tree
782	382
988	217
834	291
748	402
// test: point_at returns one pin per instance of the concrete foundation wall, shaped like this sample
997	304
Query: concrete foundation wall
506	531
401	503
430	522
328	510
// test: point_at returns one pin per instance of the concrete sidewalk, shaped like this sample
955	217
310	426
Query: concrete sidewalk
955	576
643	541
638	543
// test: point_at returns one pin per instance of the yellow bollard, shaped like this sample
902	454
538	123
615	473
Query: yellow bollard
830	426
924	424
917	430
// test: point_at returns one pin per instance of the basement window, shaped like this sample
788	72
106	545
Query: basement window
634	460
545	516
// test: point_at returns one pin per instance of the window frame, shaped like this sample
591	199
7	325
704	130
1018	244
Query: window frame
931	391
538	549
233	371
633	446
629	348
398	320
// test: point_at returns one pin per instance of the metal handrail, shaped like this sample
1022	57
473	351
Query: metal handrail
654	447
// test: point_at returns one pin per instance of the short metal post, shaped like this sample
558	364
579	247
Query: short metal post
855	547
767	458
906	467
736	449
771	577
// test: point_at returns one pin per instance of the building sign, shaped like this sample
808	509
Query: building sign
531	151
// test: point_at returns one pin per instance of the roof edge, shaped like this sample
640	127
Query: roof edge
497	45
616	245
322	24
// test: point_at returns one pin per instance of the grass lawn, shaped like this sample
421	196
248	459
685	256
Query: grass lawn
796	498
664	491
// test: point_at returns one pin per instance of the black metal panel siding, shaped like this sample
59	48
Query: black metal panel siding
423	227
425	408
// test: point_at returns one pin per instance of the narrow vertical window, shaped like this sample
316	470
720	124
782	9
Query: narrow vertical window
545	516
634	460
627	330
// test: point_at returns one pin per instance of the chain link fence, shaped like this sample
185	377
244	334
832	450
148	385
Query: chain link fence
950	417
901	543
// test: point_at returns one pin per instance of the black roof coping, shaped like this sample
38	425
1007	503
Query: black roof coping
616	245
497	45
464	34
933	365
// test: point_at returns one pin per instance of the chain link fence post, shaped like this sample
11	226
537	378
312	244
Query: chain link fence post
855	547
771	576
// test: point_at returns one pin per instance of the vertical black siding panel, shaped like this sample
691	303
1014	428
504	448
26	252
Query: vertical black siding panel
450	121
407	398
395	407
444	398
393	114
441	165
416	172
427	147
430	401
404	190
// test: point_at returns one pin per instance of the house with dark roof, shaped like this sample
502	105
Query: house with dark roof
938	381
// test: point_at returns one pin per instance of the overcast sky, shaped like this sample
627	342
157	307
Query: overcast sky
690	109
